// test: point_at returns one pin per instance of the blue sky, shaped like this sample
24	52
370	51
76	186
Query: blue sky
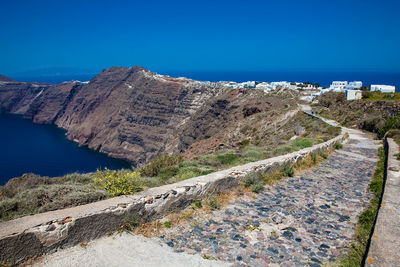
204	35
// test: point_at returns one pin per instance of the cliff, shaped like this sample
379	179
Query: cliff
135	114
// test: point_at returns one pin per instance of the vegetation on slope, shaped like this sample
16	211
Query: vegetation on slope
377	112
33	194
170	169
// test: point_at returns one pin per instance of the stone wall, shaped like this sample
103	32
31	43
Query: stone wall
31	236
385	242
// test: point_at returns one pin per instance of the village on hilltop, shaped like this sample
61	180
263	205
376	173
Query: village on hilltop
309	91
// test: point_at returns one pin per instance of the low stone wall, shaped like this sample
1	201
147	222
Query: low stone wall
385	242
30	236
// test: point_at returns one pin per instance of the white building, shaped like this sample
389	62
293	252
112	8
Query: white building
338	86
383	88
354	85
353	94
282	84
248	84
264	86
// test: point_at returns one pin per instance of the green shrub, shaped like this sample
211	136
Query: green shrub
250	179
337	146
258	187
198	204
161	162
129	223
188	164
121	182
366	94
214	204
288	170
314	158
244	143
255	181
282	150
323	154
167	224
253	155
187	175
168	172
209	160
228	158
303	143
391	123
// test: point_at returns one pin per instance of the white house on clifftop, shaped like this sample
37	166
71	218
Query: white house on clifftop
383	88
338	86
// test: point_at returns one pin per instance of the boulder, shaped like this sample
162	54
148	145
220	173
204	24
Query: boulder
299	130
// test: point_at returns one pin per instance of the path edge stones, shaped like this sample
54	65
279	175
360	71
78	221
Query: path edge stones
385	243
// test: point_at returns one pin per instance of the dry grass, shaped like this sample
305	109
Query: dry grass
149	229
311	160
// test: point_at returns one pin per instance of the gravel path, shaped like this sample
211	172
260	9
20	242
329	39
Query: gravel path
306	220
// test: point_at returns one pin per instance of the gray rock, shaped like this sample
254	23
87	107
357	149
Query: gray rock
299	130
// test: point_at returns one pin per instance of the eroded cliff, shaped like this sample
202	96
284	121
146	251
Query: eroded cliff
135	114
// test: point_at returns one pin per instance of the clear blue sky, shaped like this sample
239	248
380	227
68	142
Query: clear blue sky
201	36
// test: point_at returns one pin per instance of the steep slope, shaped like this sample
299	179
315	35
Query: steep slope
128	113
16	97
135	114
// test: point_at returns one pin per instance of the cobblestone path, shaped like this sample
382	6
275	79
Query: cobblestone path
307	220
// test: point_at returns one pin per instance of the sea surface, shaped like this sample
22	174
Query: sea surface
43	149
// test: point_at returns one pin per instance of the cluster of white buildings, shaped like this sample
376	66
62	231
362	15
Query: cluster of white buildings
310	91
352	88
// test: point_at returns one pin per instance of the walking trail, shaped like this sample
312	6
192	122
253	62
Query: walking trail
306	220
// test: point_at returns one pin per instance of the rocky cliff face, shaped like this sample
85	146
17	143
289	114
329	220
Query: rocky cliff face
133	113
129	113
16	97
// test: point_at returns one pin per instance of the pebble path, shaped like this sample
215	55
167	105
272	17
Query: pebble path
307	220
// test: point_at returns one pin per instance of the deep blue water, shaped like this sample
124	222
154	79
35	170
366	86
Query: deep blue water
44	150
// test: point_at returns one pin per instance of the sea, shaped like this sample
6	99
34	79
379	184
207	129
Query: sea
44	150
27	147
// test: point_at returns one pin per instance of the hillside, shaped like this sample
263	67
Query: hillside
363	114
135	114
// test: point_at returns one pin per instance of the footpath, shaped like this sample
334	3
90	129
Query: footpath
307	220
